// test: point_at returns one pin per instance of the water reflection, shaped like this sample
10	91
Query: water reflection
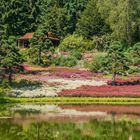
67	122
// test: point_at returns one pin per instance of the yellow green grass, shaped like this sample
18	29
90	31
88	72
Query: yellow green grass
74	100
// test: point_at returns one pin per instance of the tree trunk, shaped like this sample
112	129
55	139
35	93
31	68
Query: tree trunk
128	23
39	56
10	76
114	79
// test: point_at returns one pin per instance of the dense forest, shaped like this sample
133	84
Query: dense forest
101	27
118	18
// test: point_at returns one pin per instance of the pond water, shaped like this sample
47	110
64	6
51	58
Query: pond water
69	122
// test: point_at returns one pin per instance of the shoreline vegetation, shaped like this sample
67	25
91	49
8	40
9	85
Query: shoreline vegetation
74	100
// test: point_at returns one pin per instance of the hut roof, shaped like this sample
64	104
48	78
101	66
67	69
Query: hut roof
29	36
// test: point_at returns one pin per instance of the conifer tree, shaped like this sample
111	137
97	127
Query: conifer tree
10	58
116	60
40	45
91	23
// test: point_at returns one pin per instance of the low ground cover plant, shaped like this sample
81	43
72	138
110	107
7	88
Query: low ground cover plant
103	91
120	82
5	88
21	83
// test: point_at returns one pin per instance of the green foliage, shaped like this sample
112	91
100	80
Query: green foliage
87	17
101	43
91	23
74	9
10	58
63	14
135	51
69	61
5	88
40	45
116	60
2	91
25	54
96	23
19	16
9	54
123	17
98	63
75	42
77	54
55	20
25	83
5	84
133	55
134	69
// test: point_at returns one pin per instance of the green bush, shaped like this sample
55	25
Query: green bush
129	57
98	64
134	69
2	92
4	88
32	55
73	42
135	51
65	61
55	61
87	64
68	61
25	54
45	59
77	54
26	83
133	55
101	43
5	84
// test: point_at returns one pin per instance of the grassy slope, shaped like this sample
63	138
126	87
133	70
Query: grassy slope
74	100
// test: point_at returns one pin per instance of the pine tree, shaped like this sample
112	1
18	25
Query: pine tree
40	45
10	58
19	16
116	60
90	22
55	20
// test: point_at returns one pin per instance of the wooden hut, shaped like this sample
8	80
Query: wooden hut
24	41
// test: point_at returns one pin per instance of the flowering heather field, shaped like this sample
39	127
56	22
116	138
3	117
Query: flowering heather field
54	80
44	74
104	91
131	81
63	81
44	77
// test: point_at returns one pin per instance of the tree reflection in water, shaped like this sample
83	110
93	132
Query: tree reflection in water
91	130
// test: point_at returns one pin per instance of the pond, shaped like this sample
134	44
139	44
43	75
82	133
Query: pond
69	122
